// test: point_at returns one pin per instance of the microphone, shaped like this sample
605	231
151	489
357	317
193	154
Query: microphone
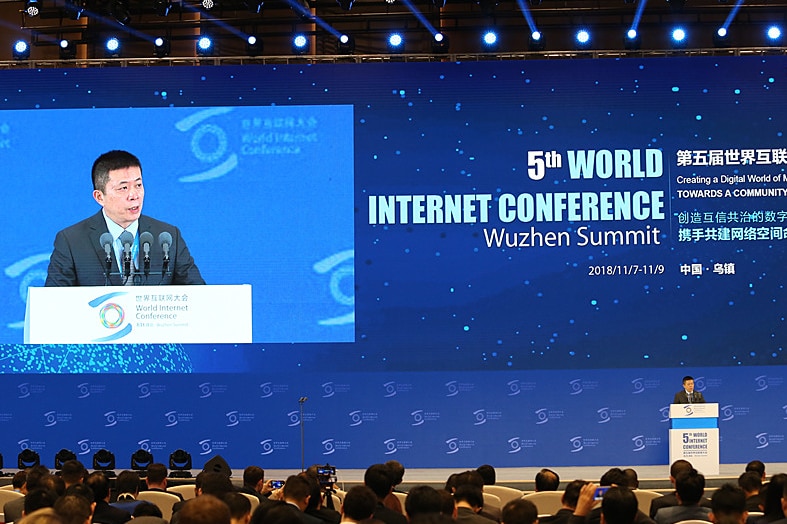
165	241
146	239
127	239
106	242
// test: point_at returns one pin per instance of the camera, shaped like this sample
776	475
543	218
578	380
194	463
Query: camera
599	494
276	484
326	475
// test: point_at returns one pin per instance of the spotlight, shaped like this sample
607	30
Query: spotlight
536	41
438	3
439	43
582	39
207	5
253	45
345	45
75	8
118	9
253	6
161	47
64	455
774	34
32	8
345	4
180	464
162	7
679	38
112	48
141	459
721	38
21	50
104	460
632	40
395	43
300	45
28	458
490	40
204	46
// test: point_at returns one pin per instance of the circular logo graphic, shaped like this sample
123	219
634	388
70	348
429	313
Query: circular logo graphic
111	315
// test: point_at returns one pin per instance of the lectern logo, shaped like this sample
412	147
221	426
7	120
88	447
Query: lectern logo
111	316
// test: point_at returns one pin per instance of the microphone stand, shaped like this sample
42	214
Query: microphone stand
301	401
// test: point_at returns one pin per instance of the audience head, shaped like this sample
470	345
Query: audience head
519	511
571	494
147	510
252	476
772	494
216	484
632	478
72	472
240	507
19	479
619	506
359	503
82	491
73	509
450	482
469	494
297	490
378	479
99	483
689	486
397	471
469	477
38	499
757	466
127	482
42	516
52	482
422	499
728	505
315	494
487	473
547	480
35	476
205	509
157	474
430	518
750	482
274	514
447	503
614	477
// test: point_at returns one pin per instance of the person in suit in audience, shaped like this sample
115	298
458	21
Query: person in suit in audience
254	483
547	480
34	480
751	483
127	486
568	502
447	504
688	395
670	499
757	466
474	478
519	511
73	472
397	476
689	488
103	513
422	500
378	478
240	507
206	483
156	479
618	505
205	509
633	478
614	477
359	505
728	505
487	473
315	506
773	500
38	499
469	502
18	480
73	509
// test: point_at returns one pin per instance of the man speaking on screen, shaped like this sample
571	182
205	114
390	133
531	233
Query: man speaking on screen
119	245
687	395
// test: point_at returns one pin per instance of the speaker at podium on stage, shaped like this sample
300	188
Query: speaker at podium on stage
694	429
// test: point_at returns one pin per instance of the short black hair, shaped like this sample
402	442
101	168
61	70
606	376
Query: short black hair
471	494
690	485
252	475
488	473
157	473
359	503
756	465
111	161
687	378
519	511
571	493
378	478
547	480
99	483
239	504
614	476
619	506
39	498
422	499
750	481
728	500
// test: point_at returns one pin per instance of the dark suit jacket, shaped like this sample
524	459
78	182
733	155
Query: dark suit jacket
388	516
682	398
79	260
106	514
671	500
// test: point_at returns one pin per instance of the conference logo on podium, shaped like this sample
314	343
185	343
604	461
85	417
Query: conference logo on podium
111	316
32	272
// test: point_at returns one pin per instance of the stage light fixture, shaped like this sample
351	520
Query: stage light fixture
679	38
204	46
141	459
490	40
118	9
439	4
582	39
32	8
536	41
180	464
21	51
28	458
253	6
440	43
300	44
253	45
62	456
104	460
161	47
75	8
207	5
721	38
112	47
345	45
395	43
346	5
632	41
162	7
774	34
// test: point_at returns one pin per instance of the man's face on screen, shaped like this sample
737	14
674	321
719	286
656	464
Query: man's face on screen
689	386
123	195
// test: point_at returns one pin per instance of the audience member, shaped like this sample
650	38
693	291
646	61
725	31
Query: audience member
359	505
72	472
519	511
156	479
33	480
275	513
205	509
42	516
378	478
689	487
254	483
147	510
547	480
671	499
613	477
568	502
469	502
447	504
421	500
757	466
728	505
127	486
18	480
619	506
772	495
397	477
38	499
751	483
633	478
240	507
315	506
73	509
103	511
487	473
474	478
